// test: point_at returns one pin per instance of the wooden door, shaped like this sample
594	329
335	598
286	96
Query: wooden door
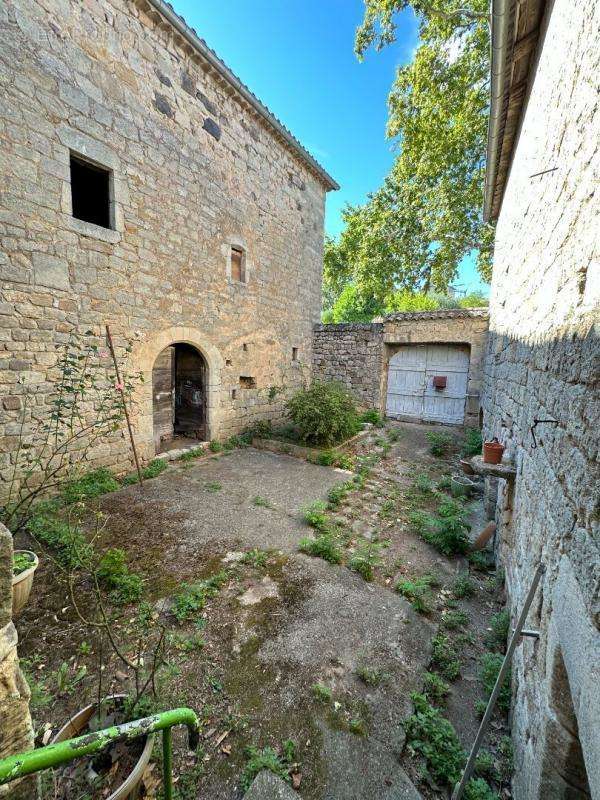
163	396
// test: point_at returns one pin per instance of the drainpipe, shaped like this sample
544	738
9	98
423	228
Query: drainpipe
500	13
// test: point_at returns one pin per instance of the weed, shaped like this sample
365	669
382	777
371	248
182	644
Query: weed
21	562
480	561
500	625
463	586
439	443
418	592
187	644
366	558
66	682
215	447
337	493
152	470
191	455
213	486
478	789
324	546
452	620
262	502
393	434
256	558
505	748
257	760
84	648
113	572
344	461
192	597
326	458
473	442
188	782
480	707
370	676
429	734
67	540
93	484
322	693
445	658
357	726
423	484
40	695
435	688
314	515
387	509
444	483
490	664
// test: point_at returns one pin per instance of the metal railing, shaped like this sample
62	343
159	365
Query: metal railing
22	764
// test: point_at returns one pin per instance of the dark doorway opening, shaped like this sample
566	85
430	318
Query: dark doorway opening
179	381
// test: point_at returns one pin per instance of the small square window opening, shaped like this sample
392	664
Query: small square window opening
237	265
90	192
247	382
294	354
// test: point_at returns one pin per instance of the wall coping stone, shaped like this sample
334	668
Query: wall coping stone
440	313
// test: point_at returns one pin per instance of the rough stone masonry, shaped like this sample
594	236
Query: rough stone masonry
196	166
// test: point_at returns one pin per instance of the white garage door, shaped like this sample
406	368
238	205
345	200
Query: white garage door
411	393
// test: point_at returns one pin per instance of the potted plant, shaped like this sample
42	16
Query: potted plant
492	452
25	563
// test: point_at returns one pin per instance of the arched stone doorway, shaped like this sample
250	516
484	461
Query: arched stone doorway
143	358
179	396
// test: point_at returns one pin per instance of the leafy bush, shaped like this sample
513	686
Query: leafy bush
325	413
418	591
448	534
373	417
463	586
365	559
344	461
324	546
454	619
429	734
478	789
67	540
490	664
484	765
445	658
473	442
325	459
439	443
92	484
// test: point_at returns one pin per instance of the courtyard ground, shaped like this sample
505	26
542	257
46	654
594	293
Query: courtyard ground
288	648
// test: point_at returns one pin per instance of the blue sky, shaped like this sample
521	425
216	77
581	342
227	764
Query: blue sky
298	59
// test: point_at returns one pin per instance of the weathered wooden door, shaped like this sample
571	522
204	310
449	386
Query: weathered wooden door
163	395
411	393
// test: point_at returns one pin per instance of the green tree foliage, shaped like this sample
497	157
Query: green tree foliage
414	231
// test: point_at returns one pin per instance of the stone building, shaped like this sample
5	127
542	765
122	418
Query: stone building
394	364
542	378
144	186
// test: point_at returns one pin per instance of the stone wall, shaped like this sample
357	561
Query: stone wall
358	354
351	353
195	170
543	363
16	732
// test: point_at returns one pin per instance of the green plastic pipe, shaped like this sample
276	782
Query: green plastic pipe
53	755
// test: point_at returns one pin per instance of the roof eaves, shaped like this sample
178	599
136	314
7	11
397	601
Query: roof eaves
217	64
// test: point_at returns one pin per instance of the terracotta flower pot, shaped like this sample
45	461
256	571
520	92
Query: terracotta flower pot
22	583
492	452
77	725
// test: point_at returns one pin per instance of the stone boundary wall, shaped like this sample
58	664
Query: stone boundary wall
543	362
351	353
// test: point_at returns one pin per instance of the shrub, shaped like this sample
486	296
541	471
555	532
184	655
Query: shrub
444	657
373	417
365	559
448	534
324	546
435	688
344	461
473	442
215	447
454	619
478	789
418	592
490	664
463	586
325	413
423	484
92	484
67	540
439	443
325	459
484	765
429	734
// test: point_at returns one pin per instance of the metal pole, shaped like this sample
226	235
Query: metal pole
460	787
124	401
168	764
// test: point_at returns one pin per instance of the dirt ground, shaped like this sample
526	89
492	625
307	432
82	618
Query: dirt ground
281	623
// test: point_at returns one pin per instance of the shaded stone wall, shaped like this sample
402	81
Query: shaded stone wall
194	171
543	362
16	732
351	353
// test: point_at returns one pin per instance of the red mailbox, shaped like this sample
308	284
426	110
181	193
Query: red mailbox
439	381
